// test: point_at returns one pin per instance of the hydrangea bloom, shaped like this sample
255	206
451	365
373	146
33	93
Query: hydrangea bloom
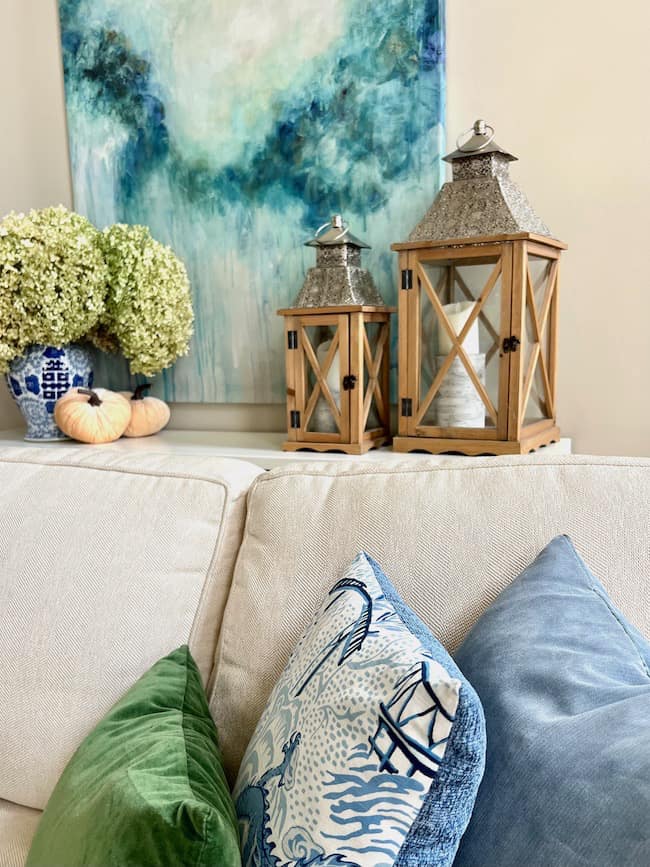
52	280
148	315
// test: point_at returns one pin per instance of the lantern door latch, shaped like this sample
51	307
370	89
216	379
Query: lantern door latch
510	344
295	418
407	407
292	339
349	382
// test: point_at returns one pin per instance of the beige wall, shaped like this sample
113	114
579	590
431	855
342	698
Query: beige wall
565	87
33	151
565	84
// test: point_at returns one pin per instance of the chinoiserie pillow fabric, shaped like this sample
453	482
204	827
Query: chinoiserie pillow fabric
372	745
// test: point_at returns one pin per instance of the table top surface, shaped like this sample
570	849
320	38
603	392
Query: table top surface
263	449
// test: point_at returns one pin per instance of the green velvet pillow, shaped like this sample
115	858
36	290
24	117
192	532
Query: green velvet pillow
146	787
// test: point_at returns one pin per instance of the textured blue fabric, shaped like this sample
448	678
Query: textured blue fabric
565	683
434	837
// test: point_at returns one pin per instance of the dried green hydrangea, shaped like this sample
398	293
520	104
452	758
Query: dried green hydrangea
52	280
148	315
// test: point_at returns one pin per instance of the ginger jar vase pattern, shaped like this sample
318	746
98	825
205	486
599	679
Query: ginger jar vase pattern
40	377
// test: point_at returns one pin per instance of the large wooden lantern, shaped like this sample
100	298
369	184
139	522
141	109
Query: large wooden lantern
337	344
478	313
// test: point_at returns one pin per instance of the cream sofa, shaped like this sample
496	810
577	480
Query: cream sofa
108	562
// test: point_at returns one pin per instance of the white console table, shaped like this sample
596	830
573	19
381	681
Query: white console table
263	449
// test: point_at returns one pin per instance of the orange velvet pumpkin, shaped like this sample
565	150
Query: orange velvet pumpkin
92	416
148	414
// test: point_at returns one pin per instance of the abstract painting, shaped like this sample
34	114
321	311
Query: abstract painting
233	129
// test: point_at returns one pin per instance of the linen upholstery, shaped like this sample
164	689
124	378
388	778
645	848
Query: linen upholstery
17	827
451	537
565	683
108	562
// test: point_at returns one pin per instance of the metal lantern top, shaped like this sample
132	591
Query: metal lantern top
338	278
338	234
481	143
482	198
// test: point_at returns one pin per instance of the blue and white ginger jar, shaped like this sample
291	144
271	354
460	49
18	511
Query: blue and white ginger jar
40	377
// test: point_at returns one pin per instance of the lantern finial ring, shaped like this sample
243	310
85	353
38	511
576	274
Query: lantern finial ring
337	222
479	129
320	228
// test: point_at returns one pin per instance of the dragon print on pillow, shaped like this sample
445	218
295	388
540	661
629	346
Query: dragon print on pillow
371	747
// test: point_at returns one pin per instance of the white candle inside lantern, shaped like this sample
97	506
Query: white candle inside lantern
458	314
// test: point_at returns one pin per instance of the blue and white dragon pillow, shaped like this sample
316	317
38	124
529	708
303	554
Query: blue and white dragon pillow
372	745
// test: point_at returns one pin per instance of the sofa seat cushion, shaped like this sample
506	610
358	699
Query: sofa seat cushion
108	562
17	828
450	536
565	683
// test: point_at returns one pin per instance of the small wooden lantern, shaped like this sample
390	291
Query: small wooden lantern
337	344
478	315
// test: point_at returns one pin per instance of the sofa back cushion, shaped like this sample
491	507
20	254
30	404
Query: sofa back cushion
107	563
451	536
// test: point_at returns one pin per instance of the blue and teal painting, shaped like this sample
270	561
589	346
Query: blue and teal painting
234	128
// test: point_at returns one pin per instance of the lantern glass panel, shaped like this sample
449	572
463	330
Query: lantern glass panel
459	390
317	357
375	354
537	400
536	407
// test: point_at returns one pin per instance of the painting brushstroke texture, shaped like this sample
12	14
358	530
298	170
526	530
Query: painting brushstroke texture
234	128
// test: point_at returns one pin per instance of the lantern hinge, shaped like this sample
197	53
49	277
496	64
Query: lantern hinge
510	344
292	339
407	407
295	418
407	279
349	382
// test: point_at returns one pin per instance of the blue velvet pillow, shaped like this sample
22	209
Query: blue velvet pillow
565	683
372	744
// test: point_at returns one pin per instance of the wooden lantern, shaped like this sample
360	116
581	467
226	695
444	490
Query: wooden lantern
478	315
337	344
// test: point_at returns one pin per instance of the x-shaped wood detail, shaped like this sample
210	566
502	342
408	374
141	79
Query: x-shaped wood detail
457	341
321	386
373	366
539	323
494	334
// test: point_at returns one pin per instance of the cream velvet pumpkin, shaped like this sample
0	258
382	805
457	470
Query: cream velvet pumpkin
148	414
92	415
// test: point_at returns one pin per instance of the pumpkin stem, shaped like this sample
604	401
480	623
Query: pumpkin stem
94	397
139	391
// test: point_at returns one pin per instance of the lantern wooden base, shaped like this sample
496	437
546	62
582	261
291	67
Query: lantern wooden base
346	448
437	446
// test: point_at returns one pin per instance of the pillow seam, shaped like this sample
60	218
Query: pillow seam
204	841
399	606
606	601
457	729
